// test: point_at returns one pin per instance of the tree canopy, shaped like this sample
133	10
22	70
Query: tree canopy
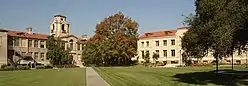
218	26
56	54
114	42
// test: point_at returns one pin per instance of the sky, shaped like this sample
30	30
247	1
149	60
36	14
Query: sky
83	15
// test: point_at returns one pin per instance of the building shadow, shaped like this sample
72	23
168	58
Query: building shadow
225	77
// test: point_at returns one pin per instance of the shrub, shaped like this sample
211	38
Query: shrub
4	65
7	68
40	67
201	64
67	66
48	67
23	67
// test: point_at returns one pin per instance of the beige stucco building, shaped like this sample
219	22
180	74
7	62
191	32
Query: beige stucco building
168	45
18	44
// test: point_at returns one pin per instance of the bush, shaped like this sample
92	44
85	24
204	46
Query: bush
4	65
40	67
23	67
7	68
201	64
67	66
48	67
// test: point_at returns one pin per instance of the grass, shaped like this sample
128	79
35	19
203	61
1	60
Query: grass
141	76
44	77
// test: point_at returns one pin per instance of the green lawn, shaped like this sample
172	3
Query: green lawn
43	77
141	76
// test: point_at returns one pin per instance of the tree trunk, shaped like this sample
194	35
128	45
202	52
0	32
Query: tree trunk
232	61
217	66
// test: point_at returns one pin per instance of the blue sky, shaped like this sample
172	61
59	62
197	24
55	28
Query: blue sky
83	15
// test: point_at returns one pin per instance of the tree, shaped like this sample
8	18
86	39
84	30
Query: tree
114	42
155	56
147	57
218	27
56	54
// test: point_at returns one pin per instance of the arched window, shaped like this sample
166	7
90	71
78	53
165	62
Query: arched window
52	29
71	44
63	28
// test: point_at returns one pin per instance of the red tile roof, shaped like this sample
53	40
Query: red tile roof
161	33
27	35
158	34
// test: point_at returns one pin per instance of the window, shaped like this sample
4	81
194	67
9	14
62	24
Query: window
36	43
23	42
142	44
142	53
10	42
157	43
30	43
71	44
147	51
42	44
165	53
36	55
147	43
174	62
165	42
63	28
16	42
157	51
172	42
238	62
23	53
42	56
173	53
30	54
78	46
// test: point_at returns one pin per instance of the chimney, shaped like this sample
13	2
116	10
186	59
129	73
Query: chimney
29	30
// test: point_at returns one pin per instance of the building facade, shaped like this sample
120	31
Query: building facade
168	45
17	44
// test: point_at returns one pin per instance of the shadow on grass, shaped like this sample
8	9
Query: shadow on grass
226	77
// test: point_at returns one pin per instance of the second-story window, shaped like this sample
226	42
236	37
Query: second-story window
36	43
157	43
165	42
42	44
71	44
78	46
23	42
147	43
16	42
142	44
172	42
30	43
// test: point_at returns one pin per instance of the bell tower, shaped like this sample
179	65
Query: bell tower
59	26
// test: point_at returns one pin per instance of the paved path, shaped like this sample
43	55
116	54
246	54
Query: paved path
93	79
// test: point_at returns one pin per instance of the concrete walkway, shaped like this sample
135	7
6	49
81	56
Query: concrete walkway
93	79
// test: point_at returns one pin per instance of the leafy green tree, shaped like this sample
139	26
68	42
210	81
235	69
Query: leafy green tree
147	57
155	56
114	42
218	27
56	54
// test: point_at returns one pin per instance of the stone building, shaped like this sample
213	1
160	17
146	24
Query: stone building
168	45
18	44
